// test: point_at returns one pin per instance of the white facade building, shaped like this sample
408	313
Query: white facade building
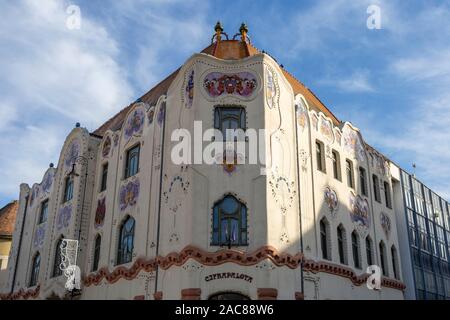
303	223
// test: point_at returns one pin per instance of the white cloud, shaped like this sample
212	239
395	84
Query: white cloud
358	81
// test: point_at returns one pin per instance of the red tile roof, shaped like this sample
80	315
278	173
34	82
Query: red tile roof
227	50
8	218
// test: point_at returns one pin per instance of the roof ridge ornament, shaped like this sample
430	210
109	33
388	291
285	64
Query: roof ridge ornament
243	32
219	32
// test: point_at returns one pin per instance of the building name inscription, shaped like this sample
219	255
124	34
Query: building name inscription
228	275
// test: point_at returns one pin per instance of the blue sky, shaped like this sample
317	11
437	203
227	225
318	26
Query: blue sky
392	83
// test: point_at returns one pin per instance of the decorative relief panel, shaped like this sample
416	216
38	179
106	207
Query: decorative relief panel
129	194
151	115
189	90
100	213
63	218
47	182
241	84
72	154
161	113
359	213
302	115
331	200
39	235
385	222
134	123
271	89
326	129
352	143
106	147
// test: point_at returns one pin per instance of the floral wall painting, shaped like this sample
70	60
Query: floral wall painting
39	235
72	154
302	115
352	143
385	222
271	88
331	200
189	90
161	113
151	115
326	129
129	194
34	193
47	182
179	181
359	212
338	136
63	218
106	147
116	140
314	121
100	213
135	123
241	84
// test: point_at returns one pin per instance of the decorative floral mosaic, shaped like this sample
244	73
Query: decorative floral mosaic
63	218
135	123
72	154
331	200
380	164
352	143
241	84
161	113
151	115
48	181
283	191
315	121
116	140
106	147
326	129
100	213
39	235
359	211
189	90
302	115
271	88
177	180
385	222
129	194
34	193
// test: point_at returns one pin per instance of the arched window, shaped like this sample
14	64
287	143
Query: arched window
57	260
97	245
342	244
383	258
355	250
229	117
395	262
35	269
369	251
126	241
229	222
324	237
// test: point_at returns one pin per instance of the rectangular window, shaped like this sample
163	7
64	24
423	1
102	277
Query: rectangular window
68	189
44	212
376	188
320	159
387	195
229	117
336	165
363	181
349	170
132	162
104	177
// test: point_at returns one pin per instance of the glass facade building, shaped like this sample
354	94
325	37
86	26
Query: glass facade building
428	225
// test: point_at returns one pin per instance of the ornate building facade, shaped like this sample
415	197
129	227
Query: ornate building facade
303	224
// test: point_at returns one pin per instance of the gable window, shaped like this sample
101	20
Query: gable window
383	258
342	244
355	250
229	225
369	251
324	237
57	260
35	270
126	241
336	165
104	178
132	162
363	181
320	156
44	212
97	245
387	195
376	188
68	189
229	117
349	171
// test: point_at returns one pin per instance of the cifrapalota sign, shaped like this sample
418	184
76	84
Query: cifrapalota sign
228	275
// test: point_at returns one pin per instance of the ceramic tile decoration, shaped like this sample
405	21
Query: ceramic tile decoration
240	84
129	193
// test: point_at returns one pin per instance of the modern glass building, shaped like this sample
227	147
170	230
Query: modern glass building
428	238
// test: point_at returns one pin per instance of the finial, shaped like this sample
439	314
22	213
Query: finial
51	165
243	30
219	29
77	125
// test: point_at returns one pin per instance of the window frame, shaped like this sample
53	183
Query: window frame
324	239
342	244
68	188
376	188
104	177
219	118
57	259
320	157
387	194
97	251
383	259
42	217
363	181
369	250
123	255
349	173
336	159
129	153
356	250
35	269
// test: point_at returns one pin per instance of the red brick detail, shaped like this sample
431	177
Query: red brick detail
158	295
267	294
299	296
140	297
191	294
